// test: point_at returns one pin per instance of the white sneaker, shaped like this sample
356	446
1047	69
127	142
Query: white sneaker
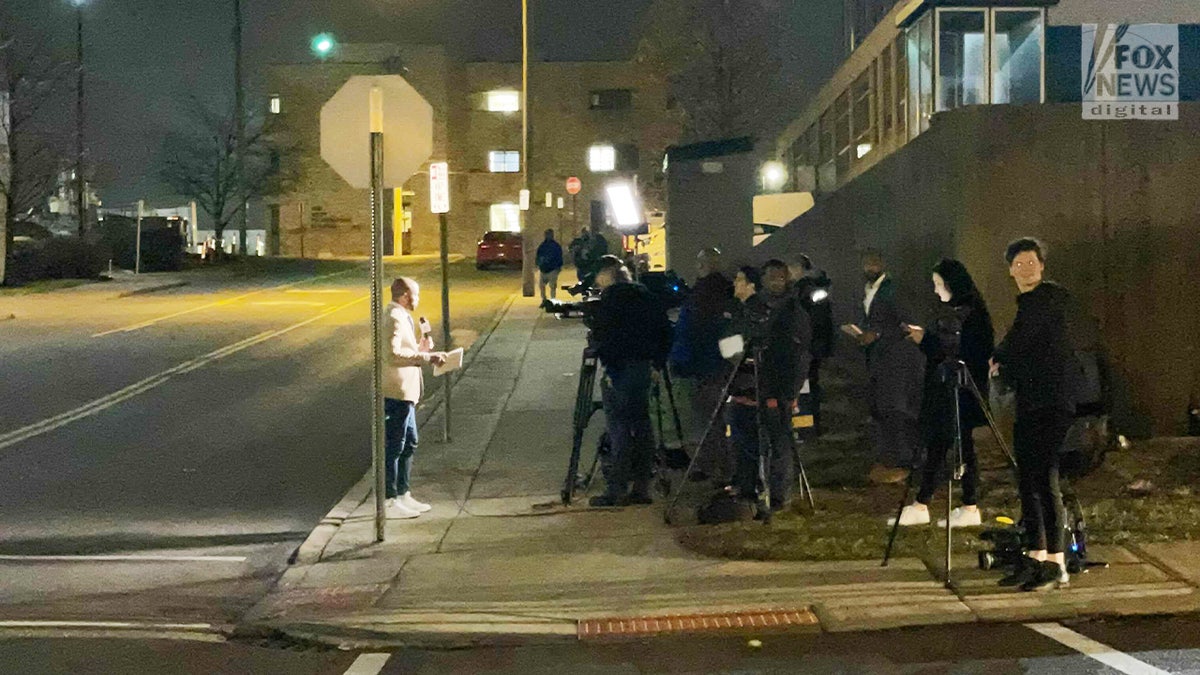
407	500
961	517
396	510
911	515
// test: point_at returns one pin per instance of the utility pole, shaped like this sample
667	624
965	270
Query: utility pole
239	122
80	185
527	251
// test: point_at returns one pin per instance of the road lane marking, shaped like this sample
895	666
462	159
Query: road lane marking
368	664
124	558
145	324
104	402
1095	650
289	303
105	624
306	291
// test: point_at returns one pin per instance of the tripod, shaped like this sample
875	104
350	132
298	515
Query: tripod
766	442
586	406
958	378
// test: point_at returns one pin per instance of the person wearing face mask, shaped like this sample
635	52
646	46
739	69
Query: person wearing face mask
1036	359
961	330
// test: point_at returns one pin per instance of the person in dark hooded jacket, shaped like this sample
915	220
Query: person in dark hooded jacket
960	330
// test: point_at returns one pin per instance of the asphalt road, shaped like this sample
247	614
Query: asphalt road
205	429
1142	646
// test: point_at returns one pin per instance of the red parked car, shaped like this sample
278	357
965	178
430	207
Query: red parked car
498	248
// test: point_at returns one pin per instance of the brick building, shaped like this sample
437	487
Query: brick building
599	121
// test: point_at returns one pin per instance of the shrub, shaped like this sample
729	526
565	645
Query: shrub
57	258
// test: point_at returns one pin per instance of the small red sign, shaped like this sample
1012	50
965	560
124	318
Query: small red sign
574	185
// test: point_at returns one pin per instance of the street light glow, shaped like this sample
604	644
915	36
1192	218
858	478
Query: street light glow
323	44
774	175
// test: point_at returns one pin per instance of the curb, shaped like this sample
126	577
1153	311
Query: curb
310	552
154	289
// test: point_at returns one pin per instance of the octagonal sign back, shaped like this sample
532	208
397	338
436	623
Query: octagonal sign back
346	130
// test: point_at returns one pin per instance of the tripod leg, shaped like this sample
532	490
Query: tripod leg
583	414
670	385
887	552
708	429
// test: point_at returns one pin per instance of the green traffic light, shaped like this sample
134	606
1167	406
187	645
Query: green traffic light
323	44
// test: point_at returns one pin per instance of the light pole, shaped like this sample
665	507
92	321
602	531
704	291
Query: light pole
239	123
527	253
80	185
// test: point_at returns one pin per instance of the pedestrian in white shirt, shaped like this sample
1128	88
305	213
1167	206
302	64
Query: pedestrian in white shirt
402	387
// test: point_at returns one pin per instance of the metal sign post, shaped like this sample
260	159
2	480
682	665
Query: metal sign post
352	143
439	200
377	410
137	249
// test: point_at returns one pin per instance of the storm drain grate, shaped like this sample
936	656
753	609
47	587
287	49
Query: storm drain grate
694	623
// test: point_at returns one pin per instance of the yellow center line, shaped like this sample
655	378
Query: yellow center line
146	324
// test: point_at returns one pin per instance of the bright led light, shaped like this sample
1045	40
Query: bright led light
863	149
820	295
323	44
774	175
624	205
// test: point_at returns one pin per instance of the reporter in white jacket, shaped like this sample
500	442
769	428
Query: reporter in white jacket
402	387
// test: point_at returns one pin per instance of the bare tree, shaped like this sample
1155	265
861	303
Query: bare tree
722	62
29	80
203	163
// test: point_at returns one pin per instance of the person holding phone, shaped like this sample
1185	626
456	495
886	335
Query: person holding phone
961	330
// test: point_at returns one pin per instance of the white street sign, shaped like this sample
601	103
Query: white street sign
346	129
439	187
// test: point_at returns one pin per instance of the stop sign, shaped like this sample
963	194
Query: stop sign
574	185
346	130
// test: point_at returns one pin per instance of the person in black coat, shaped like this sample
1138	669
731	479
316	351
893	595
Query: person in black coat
961	330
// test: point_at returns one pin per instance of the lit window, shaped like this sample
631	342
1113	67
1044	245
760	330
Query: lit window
602	158
503	101
276	104
506	217
504	161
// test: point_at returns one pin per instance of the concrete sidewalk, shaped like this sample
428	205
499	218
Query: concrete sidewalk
500	560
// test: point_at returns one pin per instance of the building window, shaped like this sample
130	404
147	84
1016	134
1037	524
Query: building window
503	100
602	158
920	75
962	63
1017	56
862	118
505	217
611	99
504	161
276	104
901	66
886	83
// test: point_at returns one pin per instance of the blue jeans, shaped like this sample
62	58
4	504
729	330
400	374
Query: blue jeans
400	435
626	393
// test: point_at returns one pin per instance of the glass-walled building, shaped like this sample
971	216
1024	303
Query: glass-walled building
920	59
912	59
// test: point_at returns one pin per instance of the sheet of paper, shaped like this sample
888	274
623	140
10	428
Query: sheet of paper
454	360
732	346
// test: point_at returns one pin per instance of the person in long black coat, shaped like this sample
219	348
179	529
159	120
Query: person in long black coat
960	330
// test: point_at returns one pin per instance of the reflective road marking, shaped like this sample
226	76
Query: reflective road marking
1096	650
151	322
368	664
104	402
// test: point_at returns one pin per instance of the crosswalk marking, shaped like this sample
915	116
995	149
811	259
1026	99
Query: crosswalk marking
368	664
1096	650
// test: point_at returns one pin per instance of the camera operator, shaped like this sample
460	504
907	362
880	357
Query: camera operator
961	330
777	335
631	335
1035	359
813	291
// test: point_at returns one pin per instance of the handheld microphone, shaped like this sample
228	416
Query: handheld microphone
426	329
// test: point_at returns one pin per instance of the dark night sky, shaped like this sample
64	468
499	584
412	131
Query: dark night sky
146	58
